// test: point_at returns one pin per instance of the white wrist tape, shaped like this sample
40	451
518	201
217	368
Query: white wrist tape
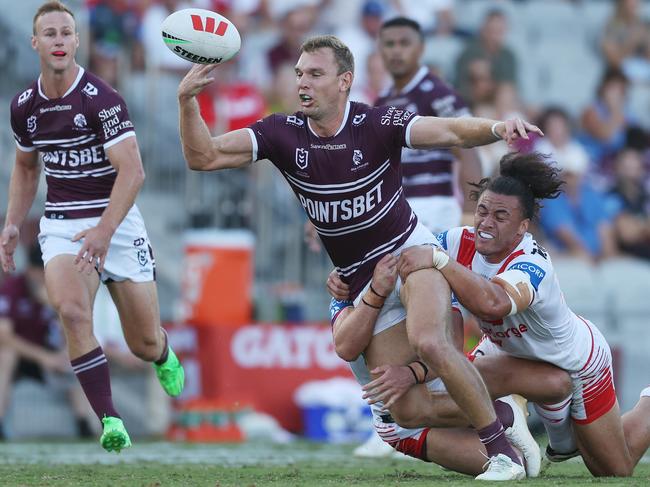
440	258
494	130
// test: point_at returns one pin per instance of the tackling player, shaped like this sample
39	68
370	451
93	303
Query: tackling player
342	159
91	229
503	277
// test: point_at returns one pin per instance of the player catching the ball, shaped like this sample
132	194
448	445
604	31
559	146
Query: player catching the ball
342	160
91	229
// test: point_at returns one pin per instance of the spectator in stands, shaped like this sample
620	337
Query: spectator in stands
296	19
626	41
489	45
607	119
629	199
115	30
559	143
28	342
577	222
362	40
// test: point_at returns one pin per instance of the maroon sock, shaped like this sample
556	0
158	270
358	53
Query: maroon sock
165	353
504	413
494	439
92	372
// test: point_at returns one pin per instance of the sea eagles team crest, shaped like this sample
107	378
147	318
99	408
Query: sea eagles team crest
143	259
357	157
302	157
79	120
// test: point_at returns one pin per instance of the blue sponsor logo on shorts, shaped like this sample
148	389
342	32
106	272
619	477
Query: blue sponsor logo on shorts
536	274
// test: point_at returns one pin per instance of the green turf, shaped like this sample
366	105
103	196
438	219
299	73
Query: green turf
301	465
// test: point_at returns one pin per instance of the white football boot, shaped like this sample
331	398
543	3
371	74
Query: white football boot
501	469
374	447
519	435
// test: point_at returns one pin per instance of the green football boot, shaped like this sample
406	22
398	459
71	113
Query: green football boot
114	438
171	374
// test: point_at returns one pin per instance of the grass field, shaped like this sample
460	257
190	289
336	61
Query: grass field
251	464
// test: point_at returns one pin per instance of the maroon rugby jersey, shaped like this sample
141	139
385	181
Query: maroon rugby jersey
349	184
72	133
31	320
426	172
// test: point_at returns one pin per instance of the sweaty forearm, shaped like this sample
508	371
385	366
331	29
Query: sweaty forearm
22	191
195	137
473	132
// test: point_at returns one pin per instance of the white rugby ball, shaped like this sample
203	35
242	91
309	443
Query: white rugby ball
201	36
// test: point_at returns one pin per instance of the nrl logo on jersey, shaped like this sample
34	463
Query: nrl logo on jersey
358	119
80	120
24	96
302	157
31	124
90	89
293	120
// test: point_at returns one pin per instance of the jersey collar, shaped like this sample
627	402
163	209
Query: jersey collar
72	87
345	120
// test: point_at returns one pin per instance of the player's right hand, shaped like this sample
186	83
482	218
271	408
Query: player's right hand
393	382
336	287
8	244
384	276
195	80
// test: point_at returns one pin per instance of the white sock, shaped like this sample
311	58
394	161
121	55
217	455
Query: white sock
645	392
557	423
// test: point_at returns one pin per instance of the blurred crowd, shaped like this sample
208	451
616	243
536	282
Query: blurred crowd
603	148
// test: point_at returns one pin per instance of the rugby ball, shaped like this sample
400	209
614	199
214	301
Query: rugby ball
201	36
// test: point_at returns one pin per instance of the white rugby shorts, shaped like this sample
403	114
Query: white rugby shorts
130	256
437	213
593	393
393	312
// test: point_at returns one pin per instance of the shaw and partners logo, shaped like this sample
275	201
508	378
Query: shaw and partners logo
302	157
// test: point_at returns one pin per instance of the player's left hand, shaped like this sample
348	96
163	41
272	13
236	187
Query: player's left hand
416	258
8	243
336	287
516	128
390	386
94	248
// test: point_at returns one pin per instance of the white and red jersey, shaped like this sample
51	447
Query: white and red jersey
547	330
72	134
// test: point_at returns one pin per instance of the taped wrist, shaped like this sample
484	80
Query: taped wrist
440	258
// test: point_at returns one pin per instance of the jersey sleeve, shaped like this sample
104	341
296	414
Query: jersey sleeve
450	241
263	135
110	117
393	125
20	127
336	306
447	102
537	268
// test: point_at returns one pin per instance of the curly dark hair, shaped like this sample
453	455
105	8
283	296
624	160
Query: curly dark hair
530	177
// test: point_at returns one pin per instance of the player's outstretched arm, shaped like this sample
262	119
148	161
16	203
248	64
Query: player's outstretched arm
202	151
430	132
22	191
505	294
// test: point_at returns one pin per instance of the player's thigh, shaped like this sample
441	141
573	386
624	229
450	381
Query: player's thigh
137	305
69	291
536	381
389	347
602	445
426	296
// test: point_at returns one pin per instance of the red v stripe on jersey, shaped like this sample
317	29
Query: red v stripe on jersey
510	258
467	249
